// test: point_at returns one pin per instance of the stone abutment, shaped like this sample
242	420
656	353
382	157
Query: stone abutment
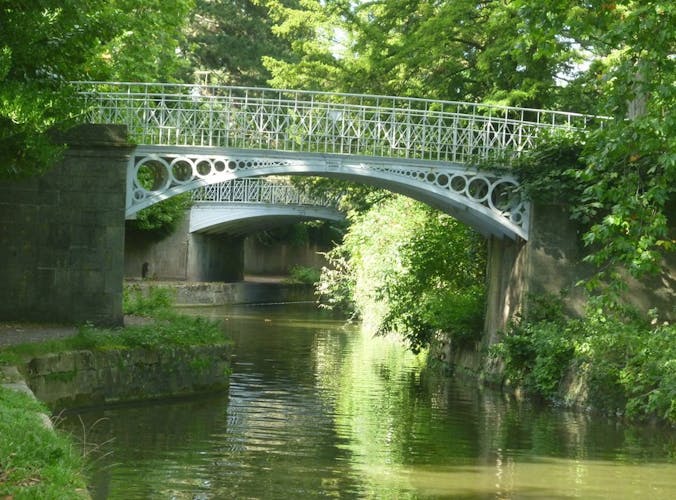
62	234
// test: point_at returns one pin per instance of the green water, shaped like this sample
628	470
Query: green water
317	409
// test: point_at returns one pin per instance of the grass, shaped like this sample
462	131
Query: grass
36	462
168	330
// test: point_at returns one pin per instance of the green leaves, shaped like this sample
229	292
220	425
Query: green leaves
43	46
230	38
162	218
628	363
409	269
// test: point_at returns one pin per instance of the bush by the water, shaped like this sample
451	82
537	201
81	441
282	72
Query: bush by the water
404	267
304	274
146	301
629	362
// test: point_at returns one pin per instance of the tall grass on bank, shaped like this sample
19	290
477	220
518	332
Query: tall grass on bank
35	462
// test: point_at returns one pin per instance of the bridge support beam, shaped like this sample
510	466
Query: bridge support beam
216	257
62	234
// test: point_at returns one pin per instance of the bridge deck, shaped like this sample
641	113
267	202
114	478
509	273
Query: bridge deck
320	122
195	135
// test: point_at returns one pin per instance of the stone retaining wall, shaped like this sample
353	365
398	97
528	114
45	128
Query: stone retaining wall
243	292
88	378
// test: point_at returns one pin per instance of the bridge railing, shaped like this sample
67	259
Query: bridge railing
259	191
302	121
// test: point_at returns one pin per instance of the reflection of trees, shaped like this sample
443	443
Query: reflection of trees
318	410
385	411
408	432
160	442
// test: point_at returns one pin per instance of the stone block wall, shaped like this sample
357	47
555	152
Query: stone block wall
551	262
91	378
62	234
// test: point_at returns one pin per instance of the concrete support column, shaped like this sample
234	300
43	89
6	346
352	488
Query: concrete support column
506	285
184	256
62	234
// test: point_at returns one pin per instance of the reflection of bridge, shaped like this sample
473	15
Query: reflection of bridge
191	136
249	205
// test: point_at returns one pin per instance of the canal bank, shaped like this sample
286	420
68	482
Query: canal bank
168	358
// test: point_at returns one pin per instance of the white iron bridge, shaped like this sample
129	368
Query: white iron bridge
190	136
243	206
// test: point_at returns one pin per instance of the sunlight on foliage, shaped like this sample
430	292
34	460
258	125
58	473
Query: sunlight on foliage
404	267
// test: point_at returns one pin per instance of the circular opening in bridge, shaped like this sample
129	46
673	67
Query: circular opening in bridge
219	166
152	175
516	217
504	196
442	180
241	164
203	168
232	165
477	189
431	177
458	183
421	176
181	170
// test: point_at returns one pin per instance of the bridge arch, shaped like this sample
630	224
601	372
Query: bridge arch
194	135
249	205
489	202
243	219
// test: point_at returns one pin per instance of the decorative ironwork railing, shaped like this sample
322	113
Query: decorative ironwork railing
259	191
319	122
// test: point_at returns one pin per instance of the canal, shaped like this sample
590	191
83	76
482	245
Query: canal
318	409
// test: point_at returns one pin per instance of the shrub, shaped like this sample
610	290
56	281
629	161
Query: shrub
404	267
303	274
148	301
631	363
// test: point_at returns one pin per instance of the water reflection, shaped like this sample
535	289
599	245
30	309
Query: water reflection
316	409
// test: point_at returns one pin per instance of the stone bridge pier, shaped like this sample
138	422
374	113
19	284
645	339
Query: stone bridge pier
62	234
551	262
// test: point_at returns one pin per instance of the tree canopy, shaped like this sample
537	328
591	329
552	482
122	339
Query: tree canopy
227	40
613	58
46	44
606	57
